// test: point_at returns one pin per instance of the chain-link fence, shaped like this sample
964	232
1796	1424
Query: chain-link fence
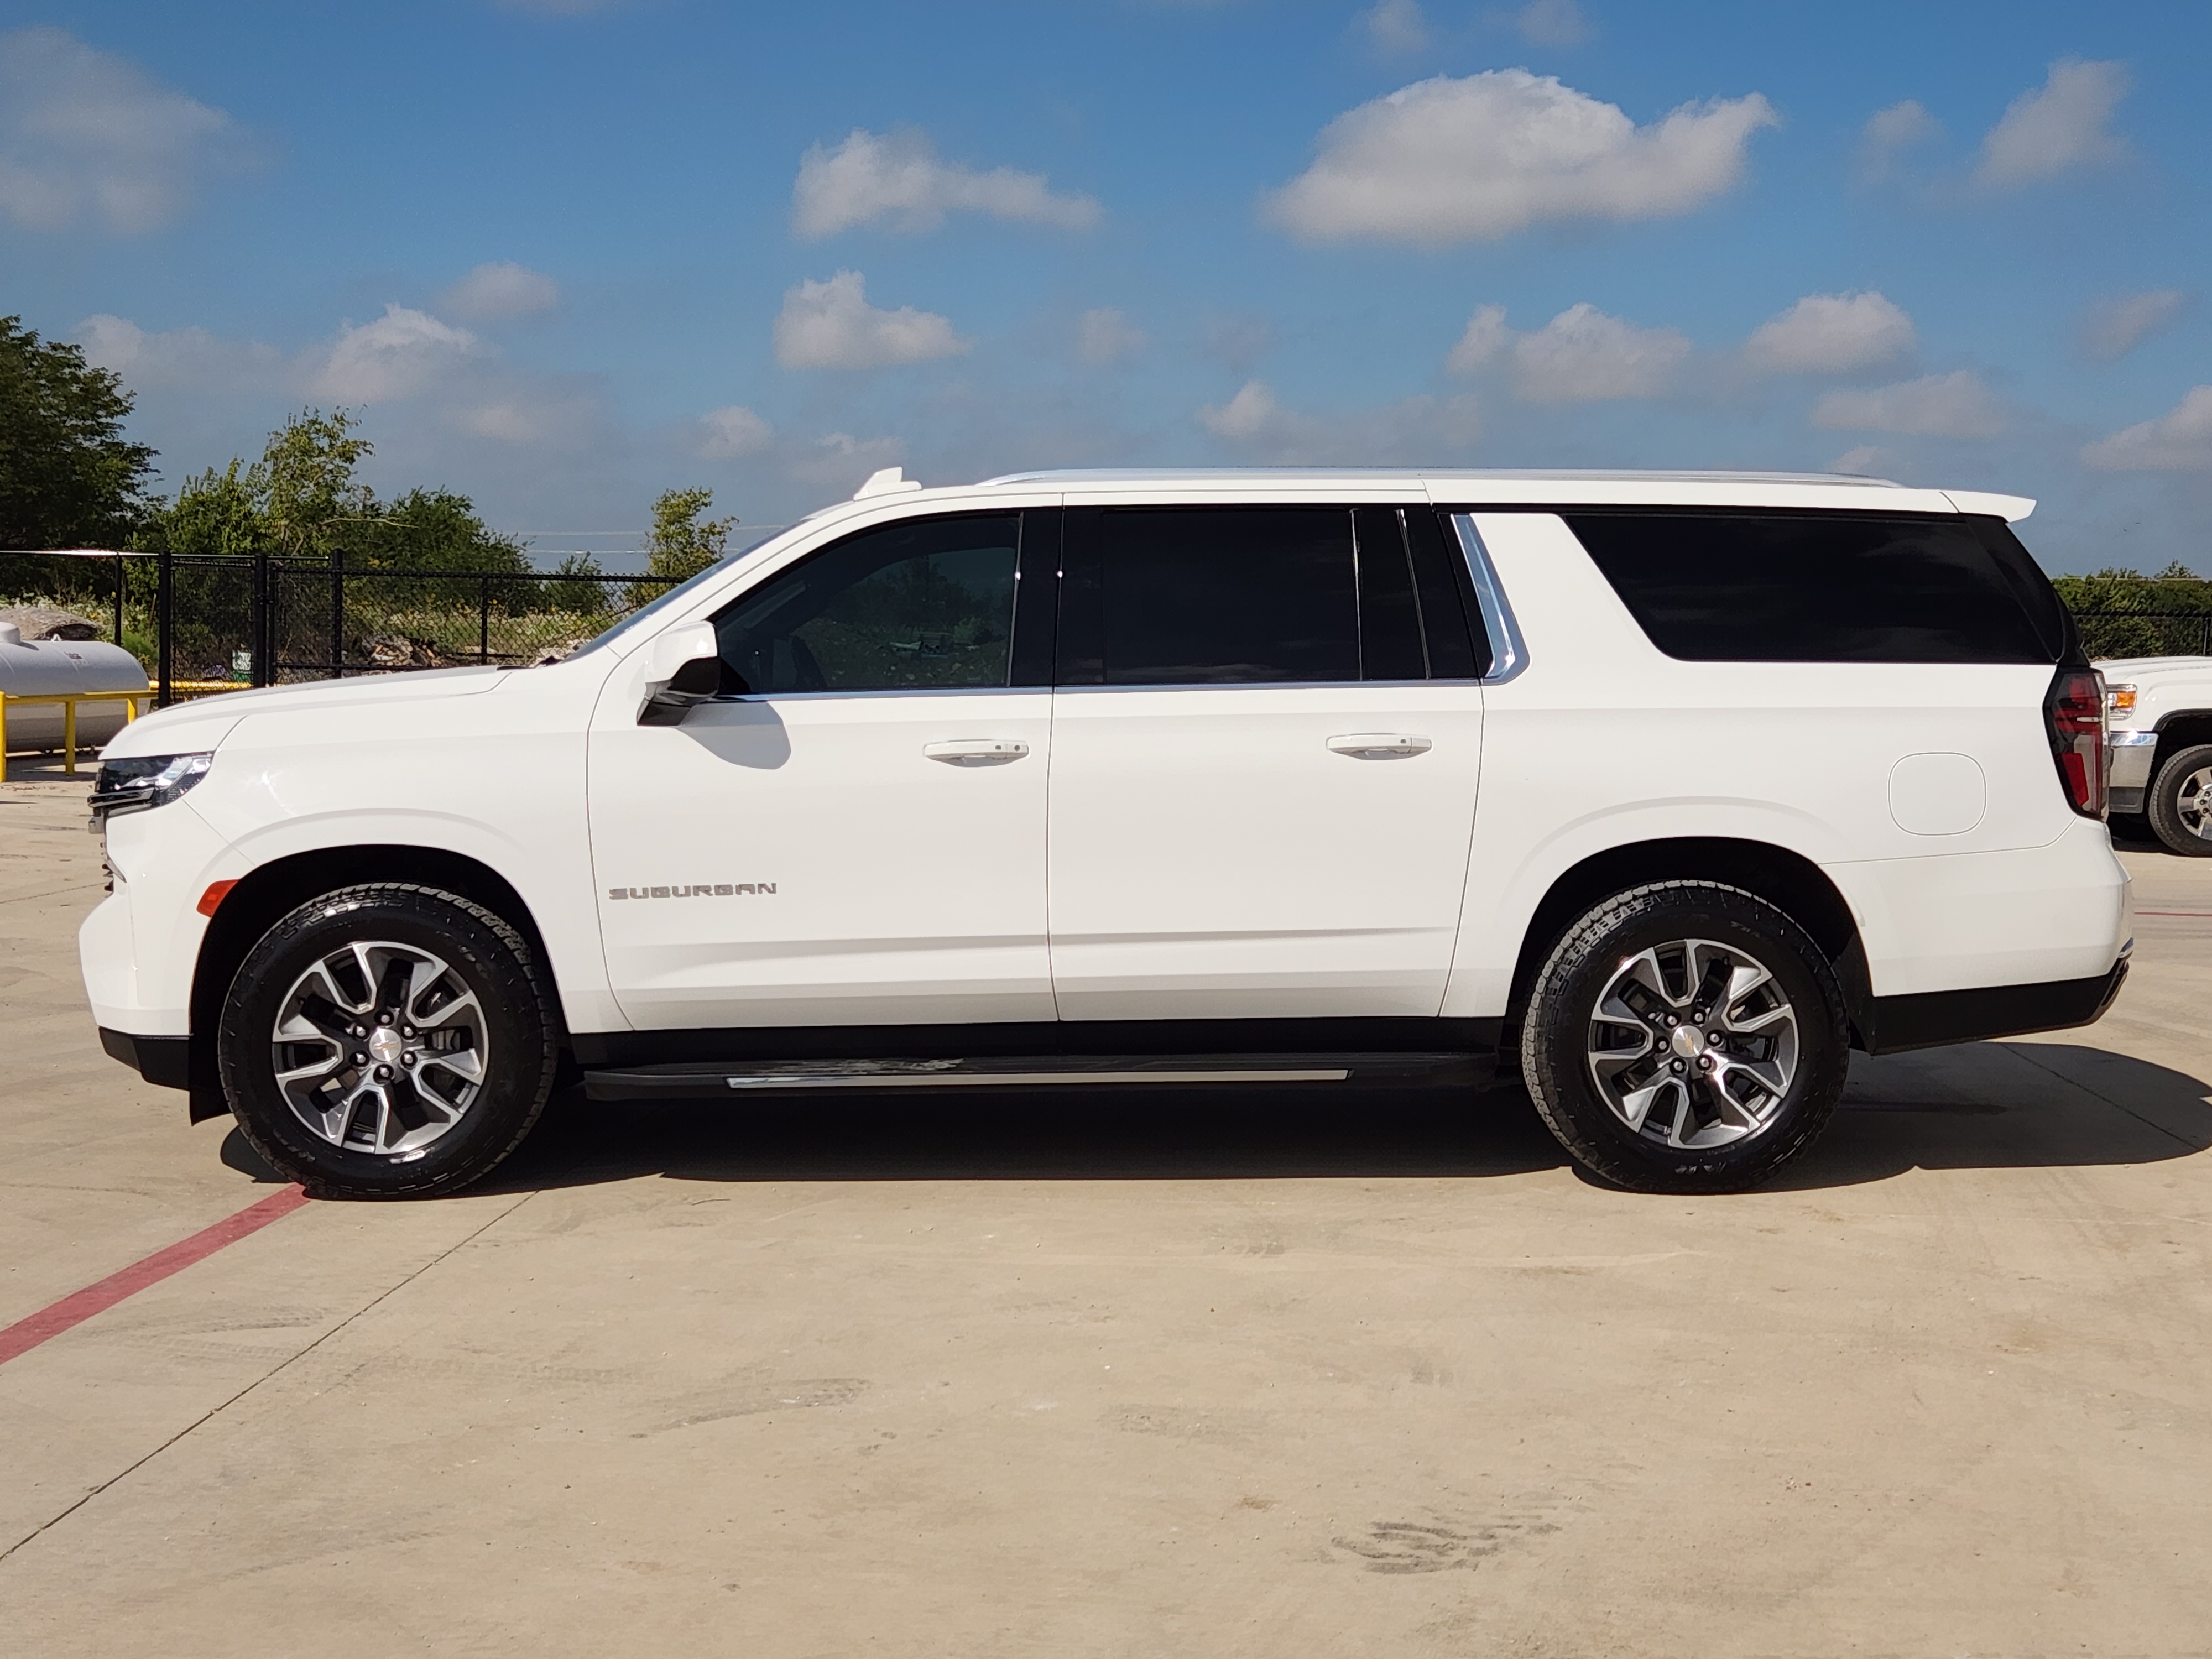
2145	634
198	621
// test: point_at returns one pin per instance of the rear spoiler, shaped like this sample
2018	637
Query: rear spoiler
2011	508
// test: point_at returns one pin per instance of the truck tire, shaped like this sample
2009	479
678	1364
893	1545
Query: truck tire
2180	802
1683	1037
387	1041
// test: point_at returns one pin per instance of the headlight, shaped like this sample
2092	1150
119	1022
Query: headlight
133	786
2120	701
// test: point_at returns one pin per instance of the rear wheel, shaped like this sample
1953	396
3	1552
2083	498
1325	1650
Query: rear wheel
2180	802
387	1041
1685	1036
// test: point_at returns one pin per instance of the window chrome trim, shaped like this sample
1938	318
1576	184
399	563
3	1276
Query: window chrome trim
1508	652
1089	686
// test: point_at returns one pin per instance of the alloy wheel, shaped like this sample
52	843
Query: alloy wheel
379	1047
1693	1044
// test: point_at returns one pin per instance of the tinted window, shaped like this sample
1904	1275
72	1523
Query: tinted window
1391	644
1172	596
928	604
1832	587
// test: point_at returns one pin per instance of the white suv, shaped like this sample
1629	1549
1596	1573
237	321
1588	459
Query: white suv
1661	792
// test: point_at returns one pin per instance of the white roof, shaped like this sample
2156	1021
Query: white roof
1480	487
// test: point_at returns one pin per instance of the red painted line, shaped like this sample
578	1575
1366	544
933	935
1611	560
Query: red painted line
26	1334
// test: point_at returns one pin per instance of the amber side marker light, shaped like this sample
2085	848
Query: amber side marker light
217	891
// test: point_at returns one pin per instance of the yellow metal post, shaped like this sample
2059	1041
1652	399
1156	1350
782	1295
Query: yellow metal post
3	736
69	737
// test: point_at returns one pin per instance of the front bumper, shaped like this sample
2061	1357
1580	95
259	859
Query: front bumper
2127	769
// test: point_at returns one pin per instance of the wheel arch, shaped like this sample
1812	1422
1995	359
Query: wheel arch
251	908
1789	880
2184	729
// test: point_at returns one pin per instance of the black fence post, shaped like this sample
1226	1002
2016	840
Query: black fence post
484	620
337	613
119	598
260	625
164	617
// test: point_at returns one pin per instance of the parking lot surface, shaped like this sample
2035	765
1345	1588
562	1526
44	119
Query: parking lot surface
1241	1374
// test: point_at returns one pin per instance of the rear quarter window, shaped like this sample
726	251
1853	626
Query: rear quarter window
1826	587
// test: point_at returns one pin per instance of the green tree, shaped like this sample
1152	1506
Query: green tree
682	543
67	478
311	501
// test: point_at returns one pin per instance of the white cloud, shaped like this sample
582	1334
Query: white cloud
1830	334
841	461
1105	336
2062	124
501	288
1582	356
85	135
1255	425
1552	23
2115	327
190	357
1448	161
898	179
733	431
2179	440
1954	406
1867	461
832	325
1395	26
1484	337
546	422
1890	134
398	355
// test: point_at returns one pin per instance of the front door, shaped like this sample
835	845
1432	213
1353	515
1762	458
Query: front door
853	833
1265	753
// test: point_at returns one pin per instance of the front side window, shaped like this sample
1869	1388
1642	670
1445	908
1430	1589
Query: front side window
928	604
1825	588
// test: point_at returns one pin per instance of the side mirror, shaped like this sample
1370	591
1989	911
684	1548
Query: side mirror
685	669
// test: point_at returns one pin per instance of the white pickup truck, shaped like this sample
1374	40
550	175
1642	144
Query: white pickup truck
2159	710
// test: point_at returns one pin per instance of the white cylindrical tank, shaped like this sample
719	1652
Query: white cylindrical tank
48	668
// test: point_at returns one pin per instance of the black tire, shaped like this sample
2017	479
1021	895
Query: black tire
1557	1030
519	1032
2182	791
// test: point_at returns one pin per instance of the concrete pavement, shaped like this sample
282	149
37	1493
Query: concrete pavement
1295	1373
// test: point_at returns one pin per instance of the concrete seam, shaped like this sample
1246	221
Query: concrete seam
216	1411
2097	1094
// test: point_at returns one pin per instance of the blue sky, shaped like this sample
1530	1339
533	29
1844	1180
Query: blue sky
562	255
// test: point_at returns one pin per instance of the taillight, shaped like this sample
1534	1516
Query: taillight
2074	713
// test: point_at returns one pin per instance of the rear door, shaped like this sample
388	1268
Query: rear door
1266	736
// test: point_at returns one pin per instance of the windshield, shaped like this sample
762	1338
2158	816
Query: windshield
665	601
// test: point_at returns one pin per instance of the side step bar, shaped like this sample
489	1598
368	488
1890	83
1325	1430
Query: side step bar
697	1080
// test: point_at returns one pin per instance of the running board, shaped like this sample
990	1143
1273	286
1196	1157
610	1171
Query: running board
693	1080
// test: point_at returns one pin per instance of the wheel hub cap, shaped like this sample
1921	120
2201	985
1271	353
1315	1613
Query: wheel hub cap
1693	1044
379	1047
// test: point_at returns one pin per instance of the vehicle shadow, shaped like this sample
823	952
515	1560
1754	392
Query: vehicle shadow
1989	1105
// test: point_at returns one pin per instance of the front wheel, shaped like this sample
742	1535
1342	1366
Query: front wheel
1684	1037
2179	803
387	1041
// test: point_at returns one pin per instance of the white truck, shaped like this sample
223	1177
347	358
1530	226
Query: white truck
1660	792
2159	714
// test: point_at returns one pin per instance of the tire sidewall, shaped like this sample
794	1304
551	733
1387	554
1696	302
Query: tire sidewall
1556	1044
515	1025
2164	814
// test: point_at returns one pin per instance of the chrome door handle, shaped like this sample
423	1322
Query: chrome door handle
976	751
1379	746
